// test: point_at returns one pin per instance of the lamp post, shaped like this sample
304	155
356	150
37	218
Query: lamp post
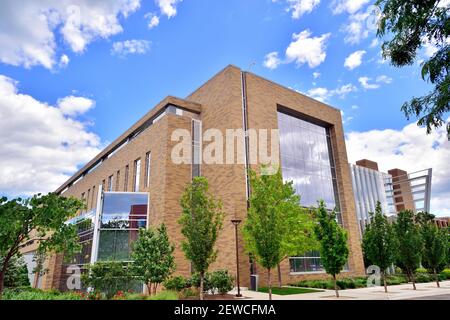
236	222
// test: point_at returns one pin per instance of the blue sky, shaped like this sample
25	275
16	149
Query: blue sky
193	40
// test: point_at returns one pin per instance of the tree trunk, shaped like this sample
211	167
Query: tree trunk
413	278
2	279
269	283
436	276
149	288
384	281
335	286
202	276
279	275
155	288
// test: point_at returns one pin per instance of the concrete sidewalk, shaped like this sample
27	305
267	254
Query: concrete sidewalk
398	292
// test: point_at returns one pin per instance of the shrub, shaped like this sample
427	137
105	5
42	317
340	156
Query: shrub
424	277
221	281
164	295
177	283
36	294
421	271
445	274
195	281
108	278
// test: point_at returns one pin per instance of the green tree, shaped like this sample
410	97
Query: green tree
152	256
434	256
43	217
413	24
410	245
17	273
276	226
333	242
379	243
108	277
201	220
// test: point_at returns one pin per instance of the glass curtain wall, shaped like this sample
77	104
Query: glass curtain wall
307	161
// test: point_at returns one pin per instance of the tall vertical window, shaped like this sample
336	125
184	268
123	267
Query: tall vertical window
83	199
104	185
93	197
307	161
117	180
147	169
110	183
137	175
87	198
125	181
196	147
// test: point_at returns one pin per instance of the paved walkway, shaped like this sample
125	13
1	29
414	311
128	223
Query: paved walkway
398	292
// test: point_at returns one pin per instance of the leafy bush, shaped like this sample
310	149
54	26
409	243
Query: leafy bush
195	281
445	274
16	274
164	295
221	281
424	277
36	294
421	271
108	278
177	283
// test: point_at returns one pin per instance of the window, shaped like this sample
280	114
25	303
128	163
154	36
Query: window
87	198
93	197
117	180
110	183
137	175
196	147
83	199
147	169
125	182
307	161
309	262
122	217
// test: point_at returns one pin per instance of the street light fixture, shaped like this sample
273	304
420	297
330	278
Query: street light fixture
236	222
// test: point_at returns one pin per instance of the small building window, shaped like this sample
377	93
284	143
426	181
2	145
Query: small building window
137	175
117	180
147	169
110	183
125	183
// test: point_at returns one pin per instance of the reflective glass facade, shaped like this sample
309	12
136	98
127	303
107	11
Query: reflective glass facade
122	217
307	161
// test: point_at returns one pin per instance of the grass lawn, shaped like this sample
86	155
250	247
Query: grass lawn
284	291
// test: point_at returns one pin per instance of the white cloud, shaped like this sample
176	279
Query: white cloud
28	32
42	146
168	7
153	20
354	60
72	106
301	7
349	6
271	60
306	49
384	79
64	61
355	107
324	94
356	28
375	42
316	75
124	48
364	81
410	149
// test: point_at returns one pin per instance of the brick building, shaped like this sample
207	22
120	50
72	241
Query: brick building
312	154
